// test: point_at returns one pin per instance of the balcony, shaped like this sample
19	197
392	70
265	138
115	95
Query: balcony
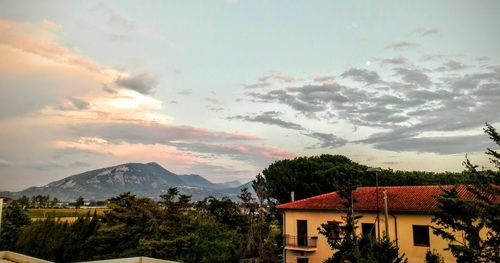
301	243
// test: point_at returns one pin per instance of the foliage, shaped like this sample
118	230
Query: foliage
433	257
306	176
310	176
348	246
79	202
473	216
14	220
58	241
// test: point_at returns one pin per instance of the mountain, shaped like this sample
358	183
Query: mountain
149	180
195	180
199	181
230	184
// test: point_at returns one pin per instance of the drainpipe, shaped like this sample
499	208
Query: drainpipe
1	207
395	227
284	237
292	196
386	215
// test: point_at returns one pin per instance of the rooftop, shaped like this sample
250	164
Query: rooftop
399	199
8	257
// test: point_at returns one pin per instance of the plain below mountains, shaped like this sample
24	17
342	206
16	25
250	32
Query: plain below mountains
148	180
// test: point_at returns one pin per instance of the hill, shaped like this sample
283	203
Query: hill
149	180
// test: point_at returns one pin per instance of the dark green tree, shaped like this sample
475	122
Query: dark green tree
348	246
473	209
14	220
306	176
433	257
79	202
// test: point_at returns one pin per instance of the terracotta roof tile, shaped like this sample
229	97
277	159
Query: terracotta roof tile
399	198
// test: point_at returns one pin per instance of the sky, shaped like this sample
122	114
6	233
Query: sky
225	88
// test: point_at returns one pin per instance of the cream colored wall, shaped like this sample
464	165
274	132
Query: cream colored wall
404	231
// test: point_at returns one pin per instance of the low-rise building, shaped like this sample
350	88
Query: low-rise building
409	214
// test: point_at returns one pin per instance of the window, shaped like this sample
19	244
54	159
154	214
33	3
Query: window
368	229
421	236
302	260
336	230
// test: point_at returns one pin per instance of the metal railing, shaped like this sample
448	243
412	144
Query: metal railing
301	241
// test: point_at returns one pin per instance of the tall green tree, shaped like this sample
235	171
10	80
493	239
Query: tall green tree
473	209
79	202
14	220
306	176
347	245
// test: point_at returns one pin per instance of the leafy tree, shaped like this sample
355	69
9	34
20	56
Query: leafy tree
306	176
79	202
433	257
24	202
54	202
14	220
350	247
129	220
58	241
225	211
473	209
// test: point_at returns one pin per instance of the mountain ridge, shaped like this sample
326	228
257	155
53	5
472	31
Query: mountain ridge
143	179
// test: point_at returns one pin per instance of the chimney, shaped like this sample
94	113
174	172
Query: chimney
292	196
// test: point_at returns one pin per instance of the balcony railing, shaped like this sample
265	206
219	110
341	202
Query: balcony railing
301	242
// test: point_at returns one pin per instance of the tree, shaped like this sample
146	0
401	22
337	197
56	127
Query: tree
14	220
249	207
306	176
23	202
433	257
473	209
349	247
79	202
59	241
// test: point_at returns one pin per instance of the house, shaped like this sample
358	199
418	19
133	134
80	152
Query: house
409	214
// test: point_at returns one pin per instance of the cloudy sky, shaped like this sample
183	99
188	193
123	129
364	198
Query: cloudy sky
224	88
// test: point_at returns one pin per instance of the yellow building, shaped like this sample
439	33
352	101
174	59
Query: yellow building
409	214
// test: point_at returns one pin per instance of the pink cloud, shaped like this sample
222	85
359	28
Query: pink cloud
49	25
32	41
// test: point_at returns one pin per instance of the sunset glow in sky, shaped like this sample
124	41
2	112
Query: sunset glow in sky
225	88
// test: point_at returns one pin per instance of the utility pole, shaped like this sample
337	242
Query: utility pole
386	214
376	170
1	207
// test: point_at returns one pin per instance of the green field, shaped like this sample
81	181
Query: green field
36	213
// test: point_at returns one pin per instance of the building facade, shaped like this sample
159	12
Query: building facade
408	217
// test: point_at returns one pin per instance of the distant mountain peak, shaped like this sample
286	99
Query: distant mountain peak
143	179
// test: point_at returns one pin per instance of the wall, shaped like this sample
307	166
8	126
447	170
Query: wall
404	231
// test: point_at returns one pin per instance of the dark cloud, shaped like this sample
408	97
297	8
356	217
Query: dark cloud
440	145
393	61
143	83
402	45
269	117
185	92
326	140
266	81
433	57
413	76
73	104
257	85
452	65
258	155
424	32
283	97
324	78
108	89
361	75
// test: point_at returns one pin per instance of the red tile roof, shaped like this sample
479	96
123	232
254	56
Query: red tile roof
399	199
